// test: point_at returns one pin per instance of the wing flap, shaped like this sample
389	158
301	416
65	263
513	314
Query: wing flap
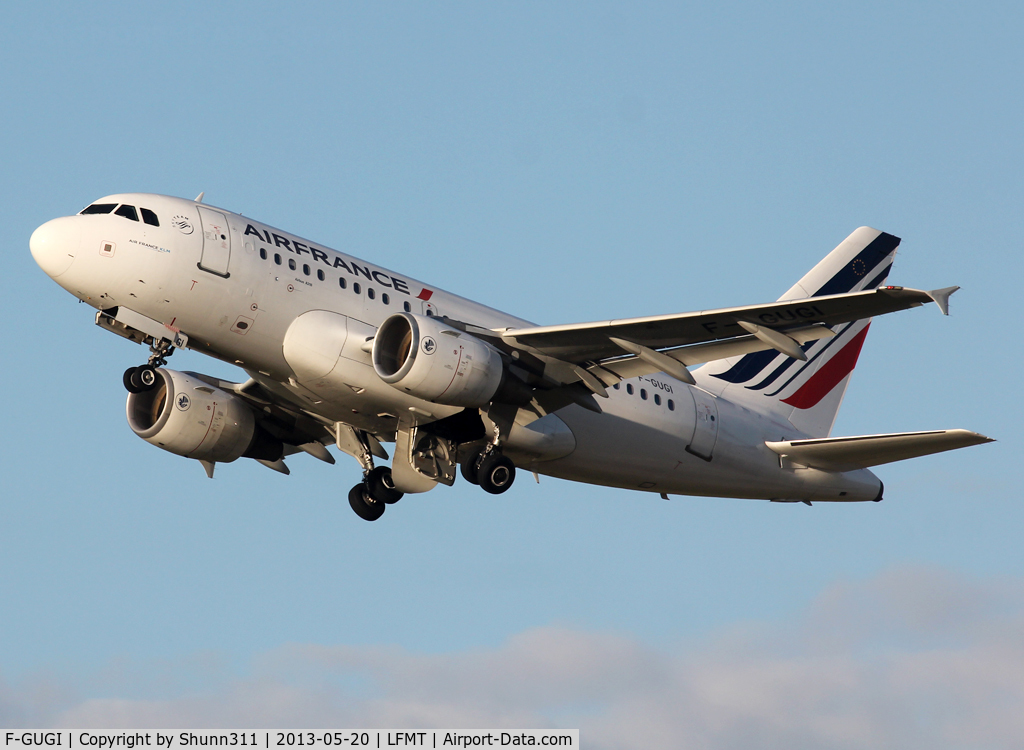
864	451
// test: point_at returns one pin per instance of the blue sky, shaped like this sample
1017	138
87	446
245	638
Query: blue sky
565	163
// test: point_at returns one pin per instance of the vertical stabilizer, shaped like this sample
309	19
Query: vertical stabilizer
809	393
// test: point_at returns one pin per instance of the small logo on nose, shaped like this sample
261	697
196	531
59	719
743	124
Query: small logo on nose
183	224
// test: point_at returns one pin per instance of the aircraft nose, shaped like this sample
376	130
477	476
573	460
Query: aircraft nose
54	246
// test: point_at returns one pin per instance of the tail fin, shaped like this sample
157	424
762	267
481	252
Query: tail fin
809	394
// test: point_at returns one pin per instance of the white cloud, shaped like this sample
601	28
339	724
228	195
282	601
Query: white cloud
914	658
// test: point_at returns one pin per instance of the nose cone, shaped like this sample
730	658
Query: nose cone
54	245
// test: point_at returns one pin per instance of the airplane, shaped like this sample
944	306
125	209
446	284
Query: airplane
339	351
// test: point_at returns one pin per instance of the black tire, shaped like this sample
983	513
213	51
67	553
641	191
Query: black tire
496	473
129	385
468	468
381	486
365	506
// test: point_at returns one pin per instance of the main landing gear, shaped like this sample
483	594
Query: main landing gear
370	497
490	469
144	377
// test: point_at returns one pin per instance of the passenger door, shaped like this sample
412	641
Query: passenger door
216	242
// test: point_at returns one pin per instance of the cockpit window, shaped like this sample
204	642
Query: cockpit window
127	212
98	208
149	217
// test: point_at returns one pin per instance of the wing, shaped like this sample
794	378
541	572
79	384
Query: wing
593	341
605	351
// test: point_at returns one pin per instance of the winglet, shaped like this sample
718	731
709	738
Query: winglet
941	297
209	466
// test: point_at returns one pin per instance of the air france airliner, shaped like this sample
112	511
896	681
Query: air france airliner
339	351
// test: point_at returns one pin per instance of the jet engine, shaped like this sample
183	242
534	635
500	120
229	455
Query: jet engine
422	356
186	416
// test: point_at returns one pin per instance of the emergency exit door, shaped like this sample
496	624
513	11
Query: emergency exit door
705	428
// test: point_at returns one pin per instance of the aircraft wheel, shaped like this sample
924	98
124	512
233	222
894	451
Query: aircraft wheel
145	376
365	506
468	468
496	473
381	486
129	385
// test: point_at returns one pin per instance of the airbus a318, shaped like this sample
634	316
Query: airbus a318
339	351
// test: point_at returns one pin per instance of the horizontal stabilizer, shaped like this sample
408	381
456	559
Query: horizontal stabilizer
861	452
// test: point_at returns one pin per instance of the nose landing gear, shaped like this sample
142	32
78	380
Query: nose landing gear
144	377
139	379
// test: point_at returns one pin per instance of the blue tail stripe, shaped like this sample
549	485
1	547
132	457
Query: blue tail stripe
787	362
850	275
831	342
879	278
749	366
844	281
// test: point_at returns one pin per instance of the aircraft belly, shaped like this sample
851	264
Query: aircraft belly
544	439
618	450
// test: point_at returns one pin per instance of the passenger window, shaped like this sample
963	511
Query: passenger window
263	253
616	386
149	217
370	293
629	388
320	274
643	393
291	263
127	212
99	208
342	283
407	306
385	298
356	288
430	313
657	399
305	268
277	258
671	405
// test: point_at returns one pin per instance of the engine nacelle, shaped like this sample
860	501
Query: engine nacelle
420	355
184	415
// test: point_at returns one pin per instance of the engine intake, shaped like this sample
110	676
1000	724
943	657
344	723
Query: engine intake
424	357
184	415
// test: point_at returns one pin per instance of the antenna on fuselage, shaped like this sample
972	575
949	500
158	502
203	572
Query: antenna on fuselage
199	198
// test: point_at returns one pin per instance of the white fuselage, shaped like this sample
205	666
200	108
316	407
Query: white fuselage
235	287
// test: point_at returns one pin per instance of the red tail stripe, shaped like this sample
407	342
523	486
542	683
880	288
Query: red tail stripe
829	375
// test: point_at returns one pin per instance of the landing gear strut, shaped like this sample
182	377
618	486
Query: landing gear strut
144	377
370	497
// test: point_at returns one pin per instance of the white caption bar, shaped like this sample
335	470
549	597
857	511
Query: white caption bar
280	739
